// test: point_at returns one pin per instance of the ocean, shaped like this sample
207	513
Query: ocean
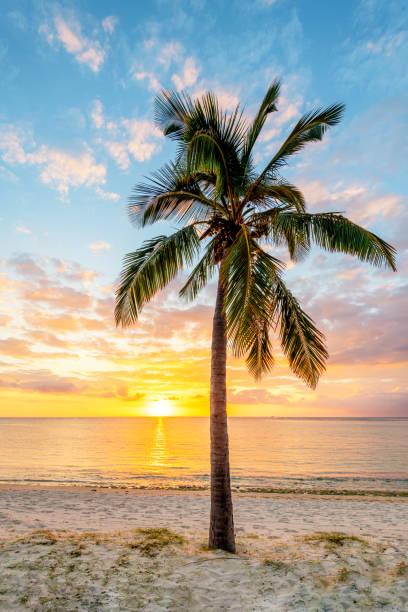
266	453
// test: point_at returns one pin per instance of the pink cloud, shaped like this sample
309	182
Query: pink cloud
58	297
85	51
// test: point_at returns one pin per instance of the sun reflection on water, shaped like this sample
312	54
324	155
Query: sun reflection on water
159	445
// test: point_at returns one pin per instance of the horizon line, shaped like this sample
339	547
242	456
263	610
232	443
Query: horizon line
147	416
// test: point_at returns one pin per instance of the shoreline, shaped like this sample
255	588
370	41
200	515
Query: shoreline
241	491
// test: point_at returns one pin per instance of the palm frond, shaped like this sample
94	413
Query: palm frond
172	112
248	274
310	128
209	139
150	268
282	192
213	140
201	274
302	343
334	232
257	299
266	224
173	192
259	358
268	106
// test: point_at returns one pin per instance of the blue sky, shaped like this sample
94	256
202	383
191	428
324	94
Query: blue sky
76	133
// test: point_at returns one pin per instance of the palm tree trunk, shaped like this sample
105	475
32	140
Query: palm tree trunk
221	520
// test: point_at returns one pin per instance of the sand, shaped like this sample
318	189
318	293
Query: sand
83	549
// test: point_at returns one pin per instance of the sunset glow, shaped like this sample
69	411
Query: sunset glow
67	169
161	408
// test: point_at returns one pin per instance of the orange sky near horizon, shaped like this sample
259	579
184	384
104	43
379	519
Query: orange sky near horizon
70	360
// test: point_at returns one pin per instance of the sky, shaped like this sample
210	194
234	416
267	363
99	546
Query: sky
77	82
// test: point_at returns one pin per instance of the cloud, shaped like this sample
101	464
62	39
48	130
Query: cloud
169	53
99	245
57	296
107	195
140	143
23	229
227	99
25	265
368	340
8	284
387	44
59	169
361	142
73	271
386	207
12	347
42	381
365	204
123	138
97	114
118	152
63	323
12	145
291	38
68	33
137	138
256	396
109	23
152	80
374	57
63	170
188	76
158	59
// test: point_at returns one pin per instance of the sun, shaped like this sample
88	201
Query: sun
160	408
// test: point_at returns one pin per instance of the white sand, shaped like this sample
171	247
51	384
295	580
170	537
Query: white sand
64	567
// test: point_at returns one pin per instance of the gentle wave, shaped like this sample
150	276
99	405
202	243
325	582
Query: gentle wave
266	454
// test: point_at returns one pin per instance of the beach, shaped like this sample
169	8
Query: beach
82	548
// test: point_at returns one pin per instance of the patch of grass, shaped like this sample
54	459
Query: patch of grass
93	537
43	537
276	565
152	541
401	569
342	492
333	538
343	574
123	560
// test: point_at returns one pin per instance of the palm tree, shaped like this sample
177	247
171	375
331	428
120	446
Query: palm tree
236	215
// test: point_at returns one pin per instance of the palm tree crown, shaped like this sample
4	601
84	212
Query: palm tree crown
230	216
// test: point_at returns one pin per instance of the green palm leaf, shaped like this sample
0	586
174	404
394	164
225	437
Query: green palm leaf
173	193
281	192
248	273
302	343
150	268
201	274
335	233
267	107
310	128
172	111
